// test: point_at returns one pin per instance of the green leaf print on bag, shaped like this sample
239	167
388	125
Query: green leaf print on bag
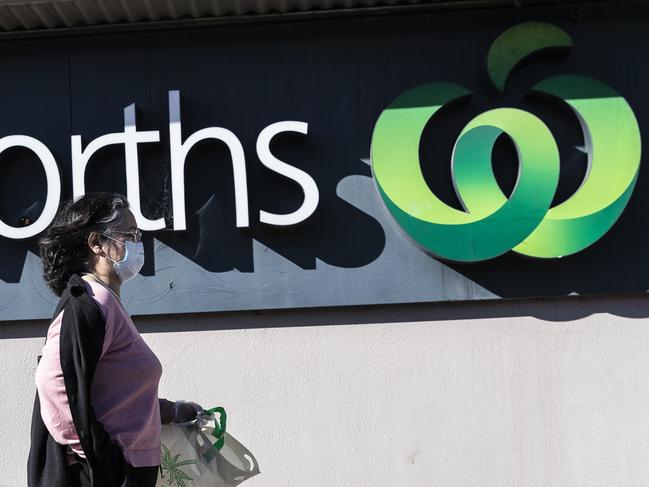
172	466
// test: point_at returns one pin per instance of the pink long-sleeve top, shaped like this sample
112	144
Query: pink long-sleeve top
124	391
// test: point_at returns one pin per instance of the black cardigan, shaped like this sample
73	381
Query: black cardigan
82	337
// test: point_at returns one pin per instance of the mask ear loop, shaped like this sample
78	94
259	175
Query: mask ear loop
125	250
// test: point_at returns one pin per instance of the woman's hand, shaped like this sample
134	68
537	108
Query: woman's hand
178	412
186	411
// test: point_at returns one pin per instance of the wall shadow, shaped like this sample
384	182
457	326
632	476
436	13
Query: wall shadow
552	311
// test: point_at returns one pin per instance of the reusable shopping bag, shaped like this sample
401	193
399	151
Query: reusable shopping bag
195	454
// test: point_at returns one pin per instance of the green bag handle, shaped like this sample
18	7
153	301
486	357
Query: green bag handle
219	426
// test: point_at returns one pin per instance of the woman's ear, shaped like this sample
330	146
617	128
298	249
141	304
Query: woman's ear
94	242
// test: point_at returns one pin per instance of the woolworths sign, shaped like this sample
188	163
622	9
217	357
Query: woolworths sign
268	174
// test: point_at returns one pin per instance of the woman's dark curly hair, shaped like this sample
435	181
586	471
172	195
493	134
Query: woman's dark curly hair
64	245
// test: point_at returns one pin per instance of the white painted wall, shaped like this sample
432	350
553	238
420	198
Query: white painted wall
546	393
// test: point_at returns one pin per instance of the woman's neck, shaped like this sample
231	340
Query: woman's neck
110	280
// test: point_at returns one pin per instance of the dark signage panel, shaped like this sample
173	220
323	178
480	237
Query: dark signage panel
281	206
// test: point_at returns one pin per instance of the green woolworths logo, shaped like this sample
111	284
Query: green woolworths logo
493	224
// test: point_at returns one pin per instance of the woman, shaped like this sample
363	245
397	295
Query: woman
97	414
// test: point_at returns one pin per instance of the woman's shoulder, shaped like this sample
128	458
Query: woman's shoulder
79	304
117	321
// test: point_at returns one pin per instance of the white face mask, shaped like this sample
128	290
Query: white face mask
133	260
